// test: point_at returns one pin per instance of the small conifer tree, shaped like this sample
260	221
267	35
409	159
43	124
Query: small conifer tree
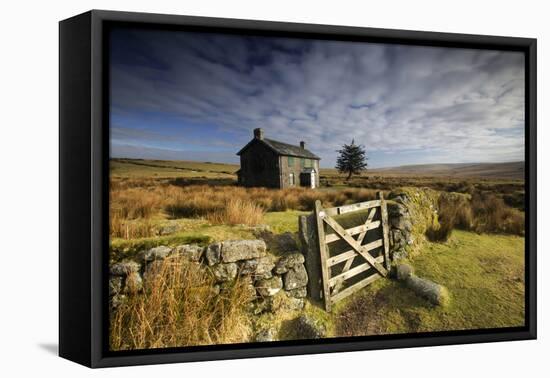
352	159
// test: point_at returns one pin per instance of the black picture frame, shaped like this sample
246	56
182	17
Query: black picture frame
83	181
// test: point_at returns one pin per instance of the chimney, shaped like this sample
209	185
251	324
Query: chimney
258	133
303	145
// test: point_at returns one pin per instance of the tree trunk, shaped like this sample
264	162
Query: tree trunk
349	176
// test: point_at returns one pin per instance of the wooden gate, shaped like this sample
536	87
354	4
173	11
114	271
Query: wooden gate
350	263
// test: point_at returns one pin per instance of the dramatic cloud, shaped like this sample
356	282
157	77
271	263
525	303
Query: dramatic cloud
177	95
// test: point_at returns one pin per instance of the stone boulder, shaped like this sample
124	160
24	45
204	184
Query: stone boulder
152	271
259	268
298	293
133	283
117	300
289	262
295	278
225	272
237	250
124	268
309	328
190	252
269	287
280	301
292	304
266	335
157	253
402	223
213	253
403	271
436	294
115	285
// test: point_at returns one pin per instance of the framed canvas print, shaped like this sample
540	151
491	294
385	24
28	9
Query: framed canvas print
233	188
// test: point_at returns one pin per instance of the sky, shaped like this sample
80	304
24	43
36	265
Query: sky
198	96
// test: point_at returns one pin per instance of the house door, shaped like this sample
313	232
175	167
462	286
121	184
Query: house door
313	181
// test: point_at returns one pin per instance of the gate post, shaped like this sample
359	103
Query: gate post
385	229
307	229
323	253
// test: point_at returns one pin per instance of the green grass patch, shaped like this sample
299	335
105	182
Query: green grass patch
283	221
484	275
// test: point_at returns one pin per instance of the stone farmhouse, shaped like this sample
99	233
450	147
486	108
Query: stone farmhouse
269	163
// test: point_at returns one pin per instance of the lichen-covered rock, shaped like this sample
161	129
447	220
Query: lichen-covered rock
115	285
266	335
436	294
225	272
292	304
259	268
157	253
152	271
403	271
190	252
298	293
289	262
213	253
133	283
295	278
124	268
117	300
236	250
269	286
308	328
280	301
401	222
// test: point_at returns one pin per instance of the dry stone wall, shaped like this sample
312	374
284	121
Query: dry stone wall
275	281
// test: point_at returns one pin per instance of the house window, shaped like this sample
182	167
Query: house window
291	181
290	161
307	163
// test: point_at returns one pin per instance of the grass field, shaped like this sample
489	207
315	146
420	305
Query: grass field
175	202
484	274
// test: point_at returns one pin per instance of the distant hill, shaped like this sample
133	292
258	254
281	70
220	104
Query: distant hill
513	170
174	168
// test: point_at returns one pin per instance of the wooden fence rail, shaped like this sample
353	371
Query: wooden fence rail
364	260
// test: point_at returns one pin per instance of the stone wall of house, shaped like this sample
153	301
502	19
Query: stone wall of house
273	281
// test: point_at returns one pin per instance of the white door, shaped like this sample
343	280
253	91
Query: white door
312	180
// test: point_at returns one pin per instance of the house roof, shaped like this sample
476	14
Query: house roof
283	149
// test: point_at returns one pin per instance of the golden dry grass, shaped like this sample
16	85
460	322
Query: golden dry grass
238	211
483	213
179	307
225	204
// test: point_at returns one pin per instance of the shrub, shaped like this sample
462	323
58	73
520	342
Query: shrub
493	215
179	307
238	212
453	211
